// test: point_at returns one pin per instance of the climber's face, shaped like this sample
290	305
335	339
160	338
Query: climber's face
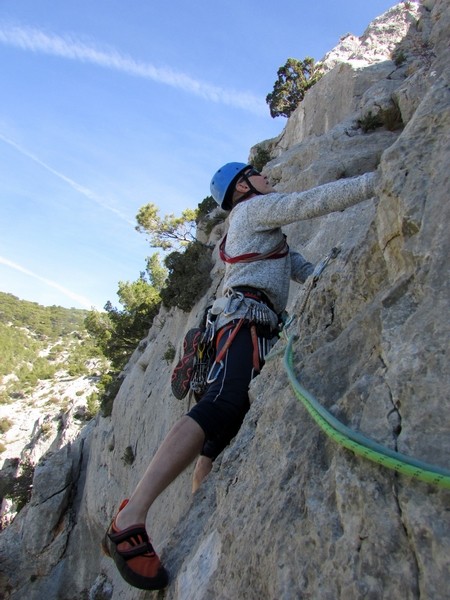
254	179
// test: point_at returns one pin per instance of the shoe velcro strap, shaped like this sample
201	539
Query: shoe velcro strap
136	537
136	551
127	535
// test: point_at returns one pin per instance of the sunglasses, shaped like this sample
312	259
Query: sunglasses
250	173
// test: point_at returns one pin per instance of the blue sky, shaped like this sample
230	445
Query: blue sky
107	105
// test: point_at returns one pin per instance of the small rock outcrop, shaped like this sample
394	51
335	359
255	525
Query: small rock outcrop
286	512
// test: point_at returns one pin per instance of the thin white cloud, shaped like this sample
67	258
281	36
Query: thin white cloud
76	297
70	47
73	184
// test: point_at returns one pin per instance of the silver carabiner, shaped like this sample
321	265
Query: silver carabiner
214	372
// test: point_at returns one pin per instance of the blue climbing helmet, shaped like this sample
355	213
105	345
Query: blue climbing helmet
222	184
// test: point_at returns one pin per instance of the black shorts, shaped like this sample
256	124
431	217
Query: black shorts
222	408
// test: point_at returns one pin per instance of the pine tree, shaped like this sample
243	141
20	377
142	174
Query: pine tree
294	79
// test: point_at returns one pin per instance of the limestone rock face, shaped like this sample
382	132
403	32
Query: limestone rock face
287	513
361	76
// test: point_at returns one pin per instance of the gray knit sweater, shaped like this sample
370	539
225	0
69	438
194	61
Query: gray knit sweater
255	226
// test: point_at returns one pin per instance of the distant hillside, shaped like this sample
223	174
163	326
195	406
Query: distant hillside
30	334
36	341
49	373
49	321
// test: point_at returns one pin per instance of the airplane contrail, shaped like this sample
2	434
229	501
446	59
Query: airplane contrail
70	47
73	184
85	302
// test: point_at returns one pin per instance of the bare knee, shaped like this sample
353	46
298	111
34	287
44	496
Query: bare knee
202	467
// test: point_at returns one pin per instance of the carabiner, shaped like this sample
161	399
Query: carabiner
214	372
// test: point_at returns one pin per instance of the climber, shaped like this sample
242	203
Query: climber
259	266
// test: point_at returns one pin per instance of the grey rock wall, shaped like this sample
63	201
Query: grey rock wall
287	513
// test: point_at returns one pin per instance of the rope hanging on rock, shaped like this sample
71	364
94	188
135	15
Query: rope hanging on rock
340	433
358	443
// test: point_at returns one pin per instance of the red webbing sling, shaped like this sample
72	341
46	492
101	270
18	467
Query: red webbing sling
280	251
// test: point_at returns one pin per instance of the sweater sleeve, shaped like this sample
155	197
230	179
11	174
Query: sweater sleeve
276	210
301	269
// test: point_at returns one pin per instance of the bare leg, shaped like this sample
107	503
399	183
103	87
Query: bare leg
202	468
181	445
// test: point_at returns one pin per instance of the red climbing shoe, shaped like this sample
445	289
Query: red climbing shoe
182	373
134	556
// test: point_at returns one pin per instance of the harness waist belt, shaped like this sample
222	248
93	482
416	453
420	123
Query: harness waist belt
255	294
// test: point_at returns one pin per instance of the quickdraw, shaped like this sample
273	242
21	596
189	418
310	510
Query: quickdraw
218	361
261	346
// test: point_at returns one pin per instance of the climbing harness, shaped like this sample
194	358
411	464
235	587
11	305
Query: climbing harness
202	361
340	433
256	313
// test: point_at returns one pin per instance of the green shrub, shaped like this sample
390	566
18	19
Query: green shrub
108	386
118	332
399	57
17	348
29	375
92	405
204	208
205	220
189	276
390	118
128	456
46	429
261	158
213	221
370	122
77	367
5	398
5	424
17	485
169	354
52	401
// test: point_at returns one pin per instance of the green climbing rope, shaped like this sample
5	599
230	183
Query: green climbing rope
356	442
